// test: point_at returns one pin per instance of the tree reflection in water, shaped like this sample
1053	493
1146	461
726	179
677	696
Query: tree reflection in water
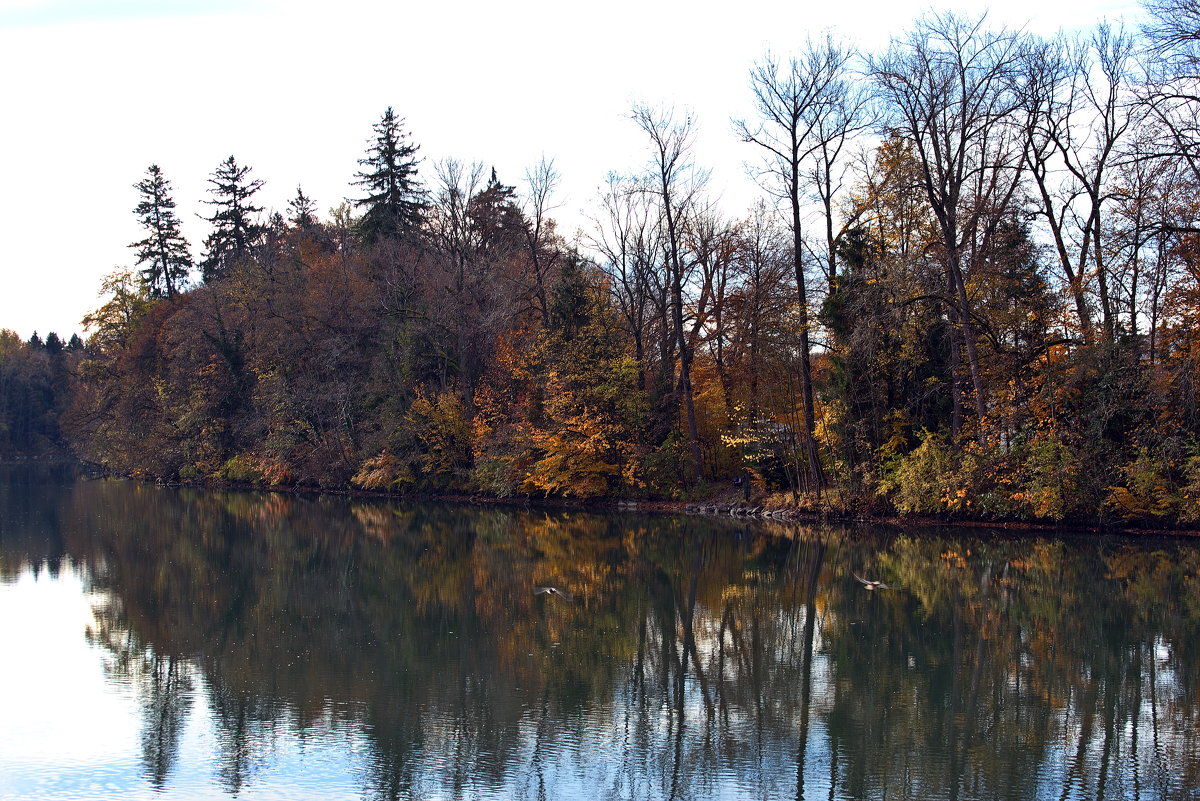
696	659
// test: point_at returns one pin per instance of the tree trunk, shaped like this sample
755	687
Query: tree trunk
816	474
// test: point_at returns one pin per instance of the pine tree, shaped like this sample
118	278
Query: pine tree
164	251
234	227
54	344
395	201
302	211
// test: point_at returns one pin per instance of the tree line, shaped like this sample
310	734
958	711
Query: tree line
969	288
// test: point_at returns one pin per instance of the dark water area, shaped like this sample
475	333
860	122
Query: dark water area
176	643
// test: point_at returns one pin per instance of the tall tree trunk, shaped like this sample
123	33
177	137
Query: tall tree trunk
684	387
815	473
968	336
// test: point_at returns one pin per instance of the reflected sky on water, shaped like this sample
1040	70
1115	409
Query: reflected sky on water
174	643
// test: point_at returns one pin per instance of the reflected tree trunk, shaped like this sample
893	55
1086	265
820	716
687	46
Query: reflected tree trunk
809	635
1088	714
165	714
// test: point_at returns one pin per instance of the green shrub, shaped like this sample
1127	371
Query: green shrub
919	482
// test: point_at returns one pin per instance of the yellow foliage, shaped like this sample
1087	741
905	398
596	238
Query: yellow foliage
255	469
583	454
1148	491
382	472
559	416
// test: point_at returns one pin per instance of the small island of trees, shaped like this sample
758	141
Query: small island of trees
971	289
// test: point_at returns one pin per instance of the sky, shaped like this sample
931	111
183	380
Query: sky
93	92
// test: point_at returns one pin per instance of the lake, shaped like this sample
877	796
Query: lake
174	643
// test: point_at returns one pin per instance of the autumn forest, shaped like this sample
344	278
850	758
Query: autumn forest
970	289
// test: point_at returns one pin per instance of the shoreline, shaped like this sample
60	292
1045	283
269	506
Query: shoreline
716	506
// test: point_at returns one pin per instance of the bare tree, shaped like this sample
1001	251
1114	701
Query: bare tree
1047	66
807	112
757	298
473	228
1173	35
676	182
1171	93
1078	107
1149	196
540	237
712	248
948	87
628	238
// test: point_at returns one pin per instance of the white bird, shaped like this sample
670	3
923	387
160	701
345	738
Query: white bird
871	585
553	591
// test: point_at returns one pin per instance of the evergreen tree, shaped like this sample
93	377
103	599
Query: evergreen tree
164	251
234	227
302	211
493	217
395	201
54	344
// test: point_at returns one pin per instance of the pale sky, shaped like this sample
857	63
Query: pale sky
92	92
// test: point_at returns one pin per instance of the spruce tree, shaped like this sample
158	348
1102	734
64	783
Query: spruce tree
302	211
234	227
54	344
395	201
164	251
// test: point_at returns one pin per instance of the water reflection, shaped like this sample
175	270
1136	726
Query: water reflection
407	646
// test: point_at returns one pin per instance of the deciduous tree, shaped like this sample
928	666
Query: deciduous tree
948	88
1077	108
675	184
807	111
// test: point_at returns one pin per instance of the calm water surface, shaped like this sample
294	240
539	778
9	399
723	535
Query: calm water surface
166	643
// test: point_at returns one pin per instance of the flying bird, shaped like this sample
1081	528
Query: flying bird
566	596
871	585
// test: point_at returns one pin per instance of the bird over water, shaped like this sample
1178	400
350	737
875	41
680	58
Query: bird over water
871	585
553	591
